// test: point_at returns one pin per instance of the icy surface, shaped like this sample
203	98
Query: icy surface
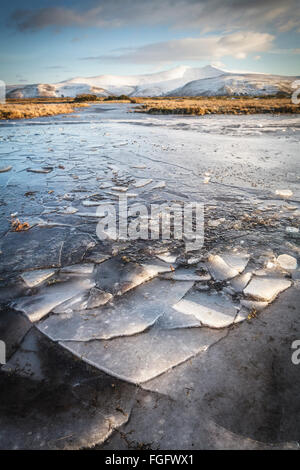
226	266
245	159
212	310
287	262
34	278
130	314
37	306
142	357
116	276
266	288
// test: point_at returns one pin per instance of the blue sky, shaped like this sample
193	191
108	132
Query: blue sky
48	41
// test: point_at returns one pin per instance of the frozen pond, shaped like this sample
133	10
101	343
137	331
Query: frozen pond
150	317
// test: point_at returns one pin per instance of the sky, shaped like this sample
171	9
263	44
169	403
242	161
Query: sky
44	41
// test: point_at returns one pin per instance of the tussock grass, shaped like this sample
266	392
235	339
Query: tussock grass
196	106
28	110
217	105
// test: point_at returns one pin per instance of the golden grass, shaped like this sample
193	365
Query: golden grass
28	110
216	105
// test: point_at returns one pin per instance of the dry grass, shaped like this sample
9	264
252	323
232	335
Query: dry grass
198	106
217	105
33	109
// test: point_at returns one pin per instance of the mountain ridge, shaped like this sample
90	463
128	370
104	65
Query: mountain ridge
178	81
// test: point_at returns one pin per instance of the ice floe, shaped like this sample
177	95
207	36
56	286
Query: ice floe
37	306
142	357
35	278
211	309
227	266
266	288
130	314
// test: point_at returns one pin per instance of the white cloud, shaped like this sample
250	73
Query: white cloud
237	45
222	15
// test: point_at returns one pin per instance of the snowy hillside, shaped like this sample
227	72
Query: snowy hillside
154	84
236	84
179	81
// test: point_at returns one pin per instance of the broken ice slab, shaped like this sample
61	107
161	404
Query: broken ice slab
37	306
139	358
183	274
242	315
95	256
85	268
25	361
68	210
284	193
254	304
130	314
69	197
266	288
160	185
240	282
105	185
236	260
172	319
34	278
167	257
89	405
227	265
77	302
95	203
116	276
142	182
98	297
212	310
39	170
287	262
121	189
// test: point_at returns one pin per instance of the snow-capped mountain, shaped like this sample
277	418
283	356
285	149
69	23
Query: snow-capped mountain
236	84
179	81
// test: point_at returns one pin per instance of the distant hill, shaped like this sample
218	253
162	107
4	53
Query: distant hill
179	81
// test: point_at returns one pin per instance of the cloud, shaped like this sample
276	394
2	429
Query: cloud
238	45
222	15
